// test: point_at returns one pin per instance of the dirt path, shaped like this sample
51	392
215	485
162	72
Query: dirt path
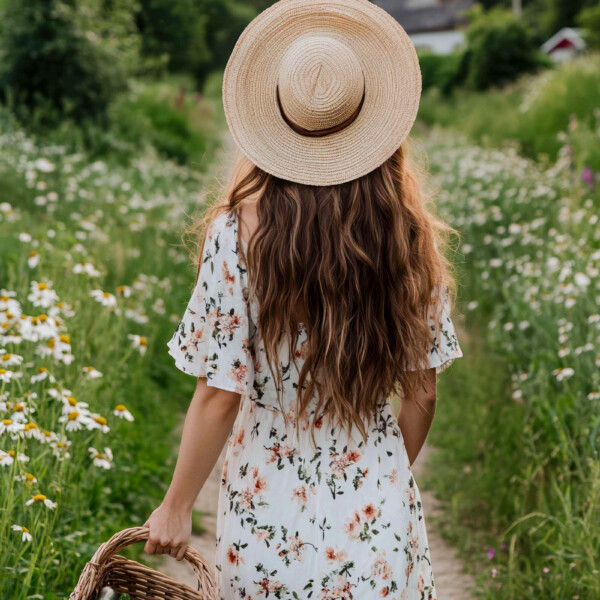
451	582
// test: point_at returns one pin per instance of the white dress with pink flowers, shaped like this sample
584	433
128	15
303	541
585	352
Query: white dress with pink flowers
340	520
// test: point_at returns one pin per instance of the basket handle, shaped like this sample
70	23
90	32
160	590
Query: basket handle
133	535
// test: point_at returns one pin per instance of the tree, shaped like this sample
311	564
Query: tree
62	58
589	20
499	49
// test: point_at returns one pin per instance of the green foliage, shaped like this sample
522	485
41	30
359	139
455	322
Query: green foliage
537	113
123	220
63	58
589	20
444	72
519	415
499	49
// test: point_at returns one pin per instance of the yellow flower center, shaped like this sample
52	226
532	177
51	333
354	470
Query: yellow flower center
61	445
120	407
42	370
23	316
6	422
59	304
72	401
51	343
39	498
6	325
6	356
100	420
42	286
29	426
4	298
2	371
19	408
24	529
9	315
43	318
143	341
65	339
11	453
32	254
73	415
29	477
106	294
34	320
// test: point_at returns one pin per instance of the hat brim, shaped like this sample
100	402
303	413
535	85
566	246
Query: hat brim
392	91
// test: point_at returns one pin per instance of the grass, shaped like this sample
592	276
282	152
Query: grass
74	223
519	418
537	114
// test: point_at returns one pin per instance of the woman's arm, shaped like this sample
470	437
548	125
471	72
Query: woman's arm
208	423
416	416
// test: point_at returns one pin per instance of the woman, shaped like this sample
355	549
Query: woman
321	293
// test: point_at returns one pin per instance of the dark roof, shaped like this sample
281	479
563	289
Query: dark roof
446	15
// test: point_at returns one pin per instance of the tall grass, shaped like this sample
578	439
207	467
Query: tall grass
535	113
104	235
520	420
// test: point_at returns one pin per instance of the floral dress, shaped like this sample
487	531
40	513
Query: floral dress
339	520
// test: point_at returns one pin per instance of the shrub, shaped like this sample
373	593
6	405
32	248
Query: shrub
500	48
64	59
589	20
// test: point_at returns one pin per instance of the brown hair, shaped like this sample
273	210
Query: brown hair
357	264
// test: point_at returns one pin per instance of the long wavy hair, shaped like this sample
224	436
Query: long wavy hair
357	265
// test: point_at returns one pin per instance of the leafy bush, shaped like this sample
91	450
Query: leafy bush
589	20
499	49
444	72
65	59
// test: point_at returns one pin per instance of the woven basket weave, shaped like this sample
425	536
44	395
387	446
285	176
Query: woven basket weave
125	576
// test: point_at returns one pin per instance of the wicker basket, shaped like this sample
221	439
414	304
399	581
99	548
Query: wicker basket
125	576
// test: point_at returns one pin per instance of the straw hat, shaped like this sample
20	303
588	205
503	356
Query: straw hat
321	91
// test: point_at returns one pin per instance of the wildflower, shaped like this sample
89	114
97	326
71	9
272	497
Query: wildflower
139	342
593	396
122	412
70	403
98	422
34	259
42	294
491	553
74	420
44	165
9	426
21	413
31	430
6	376
105	298
562	374
28	479
60	448
8	458
91	373
9	360
41	499
41	375
564	351
124	291
25	535
101	459
494	572
86	269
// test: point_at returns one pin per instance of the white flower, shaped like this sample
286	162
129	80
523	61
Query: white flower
472	305
74	420
6	376
8	458
91	373
25	237
9	360
11	427
41	499
139	342
564	351
562	374
21	413
60	448
102	459
582	280
86	269
25	535
105	298
44	165
97	421
124	290
122	412
33	260
41	375
42	294
28	479
593	396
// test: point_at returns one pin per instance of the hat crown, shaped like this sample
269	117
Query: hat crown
321	82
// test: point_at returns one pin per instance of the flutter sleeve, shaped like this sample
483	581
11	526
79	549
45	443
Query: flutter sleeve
212	339
444	347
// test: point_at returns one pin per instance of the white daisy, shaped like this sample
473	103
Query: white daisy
122	412
102	459
25	535
105	298
42	294
97	421
139	342
74	420
41	375
41	499
91	373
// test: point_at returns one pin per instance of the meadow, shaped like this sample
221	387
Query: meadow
518	423
93	280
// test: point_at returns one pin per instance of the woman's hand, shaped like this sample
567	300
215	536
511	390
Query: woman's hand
170	531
